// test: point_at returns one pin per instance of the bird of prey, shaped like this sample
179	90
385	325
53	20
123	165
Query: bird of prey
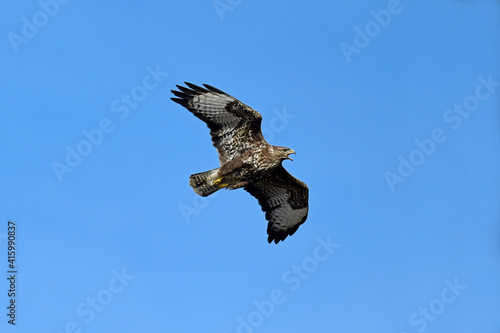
246	159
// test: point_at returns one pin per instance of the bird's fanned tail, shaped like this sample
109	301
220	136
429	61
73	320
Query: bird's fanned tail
202	182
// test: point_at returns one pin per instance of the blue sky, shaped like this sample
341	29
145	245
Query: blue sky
391	106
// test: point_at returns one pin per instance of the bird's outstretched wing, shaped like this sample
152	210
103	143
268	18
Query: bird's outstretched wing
285	201
234	126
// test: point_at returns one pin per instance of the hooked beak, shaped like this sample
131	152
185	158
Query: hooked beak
291	151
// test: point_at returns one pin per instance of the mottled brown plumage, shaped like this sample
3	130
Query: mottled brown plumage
246	159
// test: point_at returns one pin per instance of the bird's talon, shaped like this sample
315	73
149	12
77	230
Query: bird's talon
218	182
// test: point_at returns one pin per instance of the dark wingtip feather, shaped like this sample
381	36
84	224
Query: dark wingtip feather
279	235
196	88
211	88
181	94
177	100
186	90
276	237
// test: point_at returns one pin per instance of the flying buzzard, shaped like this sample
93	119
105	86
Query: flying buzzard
246	159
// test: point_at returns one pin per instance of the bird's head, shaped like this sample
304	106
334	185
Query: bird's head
284	153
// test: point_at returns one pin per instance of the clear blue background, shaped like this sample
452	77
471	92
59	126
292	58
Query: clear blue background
350	121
